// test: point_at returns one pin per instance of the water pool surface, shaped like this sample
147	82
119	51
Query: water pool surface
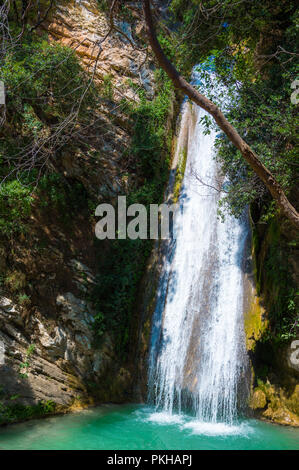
136	427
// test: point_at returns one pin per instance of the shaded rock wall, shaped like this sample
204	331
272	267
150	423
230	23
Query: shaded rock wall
275	374
50	350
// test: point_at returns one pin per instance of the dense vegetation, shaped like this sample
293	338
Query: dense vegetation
50	101
120	274
12	411
252	47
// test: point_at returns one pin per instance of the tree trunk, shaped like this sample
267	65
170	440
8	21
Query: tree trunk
252	159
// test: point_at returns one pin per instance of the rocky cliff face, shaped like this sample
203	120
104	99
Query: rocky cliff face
50	352
274	364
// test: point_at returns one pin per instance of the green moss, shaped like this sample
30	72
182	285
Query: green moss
254	322
255	250
258	399
15	280
278	406
293	401
278	286
271	254
180	175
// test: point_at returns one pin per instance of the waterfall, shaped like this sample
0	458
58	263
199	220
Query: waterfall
197	354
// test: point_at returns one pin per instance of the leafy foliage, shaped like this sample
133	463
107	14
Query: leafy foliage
149	138
14	412
261	111
121	271
15	204
45	85
250	50
48	97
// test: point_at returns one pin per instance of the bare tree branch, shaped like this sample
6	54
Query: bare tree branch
41	20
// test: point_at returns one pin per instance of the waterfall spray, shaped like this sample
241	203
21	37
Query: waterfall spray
197	356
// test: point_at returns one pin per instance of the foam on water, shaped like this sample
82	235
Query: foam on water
216	429
197	427
165	418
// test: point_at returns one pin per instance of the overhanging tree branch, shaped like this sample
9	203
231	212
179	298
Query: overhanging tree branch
252	159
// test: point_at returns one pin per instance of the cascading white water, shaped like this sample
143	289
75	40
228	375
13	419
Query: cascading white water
197	356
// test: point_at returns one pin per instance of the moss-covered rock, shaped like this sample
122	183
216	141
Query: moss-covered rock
258	399
255	321
281	415
276	403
